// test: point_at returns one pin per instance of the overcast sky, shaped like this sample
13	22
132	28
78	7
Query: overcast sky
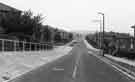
79	14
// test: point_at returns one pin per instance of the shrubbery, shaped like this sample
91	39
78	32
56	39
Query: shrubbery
129	54
122	52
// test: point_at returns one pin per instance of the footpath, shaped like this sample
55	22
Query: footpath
124	66
13	64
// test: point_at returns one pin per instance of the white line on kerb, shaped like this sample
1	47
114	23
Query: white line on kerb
74	72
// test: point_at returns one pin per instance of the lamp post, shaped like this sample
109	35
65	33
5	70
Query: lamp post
134	29
98	33
103	23
134	35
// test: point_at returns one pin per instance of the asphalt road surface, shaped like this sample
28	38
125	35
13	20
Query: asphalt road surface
77	66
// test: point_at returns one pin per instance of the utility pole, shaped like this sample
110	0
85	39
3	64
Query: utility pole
103	30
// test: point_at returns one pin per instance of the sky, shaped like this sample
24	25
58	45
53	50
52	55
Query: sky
80	14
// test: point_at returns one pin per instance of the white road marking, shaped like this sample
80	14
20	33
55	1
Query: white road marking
58	69
120	70
76	66
74	72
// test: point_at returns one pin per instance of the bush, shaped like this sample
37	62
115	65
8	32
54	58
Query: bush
93	43
129	54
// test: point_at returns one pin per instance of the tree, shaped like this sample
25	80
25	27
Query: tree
57	37
24	22
46	34
70	36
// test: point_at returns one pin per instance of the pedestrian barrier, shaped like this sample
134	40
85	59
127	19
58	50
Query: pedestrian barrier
14	45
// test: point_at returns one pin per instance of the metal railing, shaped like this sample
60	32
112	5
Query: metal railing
14	45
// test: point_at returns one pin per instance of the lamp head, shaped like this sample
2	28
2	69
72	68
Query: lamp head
133	26
101	13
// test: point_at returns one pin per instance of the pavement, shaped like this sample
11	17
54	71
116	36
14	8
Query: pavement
123	60
77	66
14	64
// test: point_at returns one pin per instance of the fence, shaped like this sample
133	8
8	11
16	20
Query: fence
14	45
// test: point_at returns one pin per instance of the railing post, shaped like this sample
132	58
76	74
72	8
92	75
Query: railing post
14	45
29	46
35	47
23	46
39	46
44	47
3	45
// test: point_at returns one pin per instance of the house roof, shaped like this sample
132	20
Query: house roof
4	7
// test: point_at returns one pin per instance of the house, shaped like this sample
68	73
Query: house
4	9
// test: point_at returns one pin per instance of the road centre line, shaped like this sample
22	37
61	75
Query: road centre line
58	69
74	72
75	67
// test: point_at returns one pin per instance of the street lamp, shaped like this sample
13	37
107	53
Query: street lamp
134	29
103	22
134	35
99	35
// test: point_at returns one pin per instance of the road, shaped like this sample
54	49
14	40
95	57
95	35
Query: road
77	66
